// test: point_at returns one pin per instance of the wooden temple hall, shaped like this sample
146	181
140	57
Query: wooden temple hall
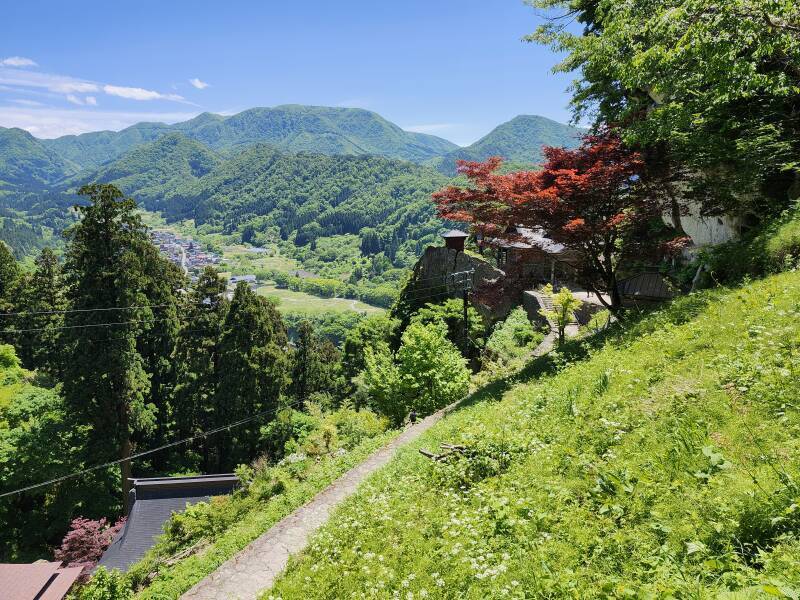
527	253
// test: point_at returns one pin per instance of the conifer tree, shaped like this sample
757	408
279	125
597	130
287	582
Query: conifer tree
306	361
196	356
253	371
9	272
39	299
156	346
316	365
105	382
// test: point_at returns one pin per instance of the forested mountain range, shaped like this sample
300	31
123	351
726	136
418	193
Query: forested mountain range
303	195
519	140
301	172
291	128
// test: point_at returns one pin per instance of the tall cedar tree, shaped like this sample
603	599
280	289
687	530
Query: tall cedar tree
163	280
196	357
316	365
9	273
253	371
306	367
107	275
589	199
40	302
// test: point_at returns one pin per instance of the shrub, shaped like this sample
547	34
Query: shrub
430	373
105	585
355	426
86	541
512	339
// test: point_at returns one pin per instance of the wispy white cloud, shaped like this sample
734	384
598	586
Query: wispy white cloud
69	87
137	93
60	84
91	100
55	122
25	102
18	61
199	84
431	127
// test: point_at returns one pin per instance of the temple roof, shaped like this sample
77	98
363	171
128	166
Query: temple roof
154	501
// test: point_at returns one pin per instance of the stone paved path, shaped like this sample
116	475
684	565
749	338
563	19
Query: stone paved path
256	567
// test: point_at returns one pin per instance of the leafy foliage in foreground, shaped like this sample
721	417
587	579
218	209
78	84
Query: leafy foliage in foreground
663	465
709	86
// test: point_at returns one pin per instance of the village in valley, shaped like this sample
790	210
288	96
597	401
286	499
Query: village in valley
184	251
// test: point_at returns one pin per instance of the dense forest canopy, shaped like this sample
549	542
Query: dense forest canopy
709	89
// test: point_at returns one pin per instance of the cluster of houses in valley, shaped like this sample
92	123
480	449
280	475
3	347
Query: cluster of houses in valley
184	251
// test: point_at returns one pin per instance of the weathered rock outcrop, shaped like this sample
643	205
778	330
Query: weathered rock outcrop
438	275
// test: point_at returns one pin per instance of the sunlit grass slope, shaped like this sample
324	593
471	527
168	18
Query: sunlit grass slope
663	464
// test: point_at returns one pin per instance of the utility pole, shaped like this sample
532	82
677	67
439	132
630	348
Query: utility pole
466	314
467	285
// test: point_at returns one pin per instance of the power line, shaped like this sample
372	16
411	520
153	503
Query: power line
103	309
90	325
203	434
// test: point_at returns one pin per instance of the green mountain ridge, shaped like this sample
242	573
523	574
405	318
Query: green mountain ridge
308	171
519	140
25	161
303	195
151	170
291	128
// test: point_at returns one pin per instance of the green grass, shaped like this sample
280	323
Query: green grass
239	258
292	302
171	581
662	463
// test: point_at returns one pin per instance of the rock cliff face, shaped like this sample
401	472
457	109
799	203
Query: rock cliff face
440	274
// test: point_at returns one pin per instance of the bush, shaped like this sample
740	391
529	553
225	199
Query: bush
105	585
86	541
451	314
512	339
429	373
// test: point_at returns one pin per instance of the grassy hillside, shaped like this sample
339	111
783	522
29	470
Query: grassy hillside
662	464
519	141
291	128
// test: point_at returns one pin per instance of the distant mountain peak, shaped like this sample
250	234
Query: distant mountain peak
519	140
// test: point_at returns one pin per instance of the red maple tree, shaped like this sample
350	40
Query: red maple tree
590	199
86	540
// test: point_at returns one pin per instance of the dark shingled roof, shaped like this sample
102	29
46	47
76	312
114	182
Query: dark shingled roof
155	501
455	233
40	581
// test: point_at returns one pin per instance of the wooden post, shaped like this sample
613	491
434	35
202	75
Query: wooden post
466	315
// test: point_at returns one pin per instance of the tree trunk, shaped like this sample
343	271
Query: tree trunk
614	295
675	209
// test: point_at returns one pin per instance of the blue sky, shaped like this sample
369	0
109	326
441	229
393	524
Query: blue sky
453	68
